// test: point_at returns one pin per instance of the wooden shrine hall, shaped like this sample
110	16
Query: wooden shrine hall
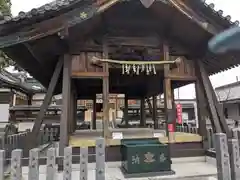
139	48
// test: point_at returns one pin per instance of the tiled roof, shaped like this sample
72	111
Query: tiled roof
53	6
228	92
56	5
219	12
9	80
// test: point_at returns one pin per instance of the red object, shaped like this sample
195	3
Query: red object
179	113
132	102
170	128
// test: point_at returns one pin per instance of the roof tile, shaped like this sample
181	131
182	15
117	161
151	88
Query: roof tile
58	4
219	12
52	6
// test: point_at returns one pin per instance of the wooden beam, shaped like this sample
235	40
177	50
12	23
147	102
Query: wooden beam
49	27
105	94
46	102
76	48
84	75
54	25
148	41
202	112
214	116
182	78
66	93
187	11
219	111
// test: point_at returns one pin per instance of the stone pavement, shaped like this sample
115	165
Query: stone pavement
196	169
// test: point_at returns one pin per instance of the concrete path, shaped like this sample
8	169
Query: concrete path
191	170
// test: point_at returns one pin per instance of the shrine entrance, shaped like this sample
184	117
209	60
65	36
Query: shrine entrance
140	65
138	49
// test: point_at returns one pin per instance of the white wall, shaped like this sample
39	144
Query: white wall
4	112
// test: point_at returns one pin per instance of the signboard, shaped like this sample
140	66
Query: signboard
117	135
100	101
179	113
157	135
132	102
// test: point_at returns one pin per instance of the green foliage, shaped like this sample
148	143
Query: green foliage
5	61
5	7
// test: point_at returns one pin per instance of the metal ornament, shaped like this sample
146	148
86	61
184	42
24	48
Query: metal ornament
147	3
147	70
134	68
154	70
150	68
127	68
137	69
142	68
123	69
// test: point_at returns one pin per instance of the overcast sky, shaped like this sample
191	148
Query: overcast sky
229	7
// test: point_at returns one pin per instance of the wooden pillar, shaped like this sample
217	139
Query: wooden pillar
116	106
94	115
75	107
72	110
169	116
150	108
154	113
66	95
105	93
29	100
142	113
126	119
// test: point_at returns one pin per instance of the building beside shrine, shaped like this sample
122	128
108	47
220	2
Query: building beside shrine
16	89
229	97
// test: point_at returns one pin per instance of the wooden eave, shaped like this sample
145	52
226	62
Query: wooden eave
16	33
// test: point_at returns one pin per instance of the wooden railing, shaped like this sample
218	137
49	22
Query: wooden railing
52	162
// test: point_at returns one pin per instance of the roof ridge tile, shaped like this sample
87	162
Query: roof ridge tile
219	12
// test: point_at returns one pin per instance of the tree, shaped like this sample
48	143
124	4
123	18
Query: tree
5	10
5	7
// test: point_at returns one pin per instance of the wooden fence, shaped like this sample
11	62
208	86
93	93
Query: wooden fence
186	129
18	141
52	162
